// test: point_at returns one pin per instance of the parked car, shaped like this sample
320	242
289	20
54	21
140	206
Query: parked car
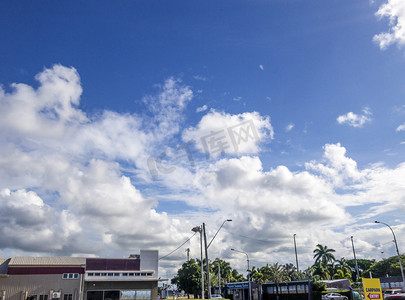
391	292
216	296
334	296
395	296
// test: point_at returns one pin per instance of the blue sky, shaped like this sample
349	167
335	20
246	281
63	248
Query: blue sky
104	86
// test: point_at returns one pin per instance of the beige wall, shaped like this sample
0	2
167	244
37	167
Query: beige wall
16	286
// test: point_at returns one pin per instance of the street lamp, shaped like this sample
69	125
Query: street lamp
229	220
355	259
199	229
249	273
399	257
206	253
296	256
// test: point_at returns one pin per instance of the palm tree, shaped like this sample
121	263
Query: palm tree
344	266
277	273
319	271
341	275
323	254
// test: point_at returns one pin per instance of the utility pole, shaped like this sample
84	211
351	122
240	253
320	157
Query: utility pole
199	229
296	256
188	254
355	259
219	276
207	263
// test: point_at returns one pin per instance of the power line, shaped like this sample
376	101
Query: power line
178	247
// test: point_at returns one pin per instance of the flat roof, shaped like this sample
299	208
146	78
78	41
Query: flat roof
47	261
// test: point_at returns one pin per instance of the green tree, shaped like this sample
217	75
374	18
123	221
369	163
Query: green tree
324	255
363	265
225	271
343	265
236	277
341	275
389	266
277	273
188	278
319	271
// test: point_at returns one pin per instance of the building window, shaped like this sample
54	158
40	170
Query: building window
116	274
68	297
124	274
96	274
32	297
70	275
43	297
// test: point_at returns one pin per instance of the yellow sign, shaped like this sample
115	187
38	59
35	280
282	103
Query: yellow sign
372	289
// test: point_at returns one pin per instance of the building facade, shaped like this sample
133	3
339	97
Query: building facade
74	278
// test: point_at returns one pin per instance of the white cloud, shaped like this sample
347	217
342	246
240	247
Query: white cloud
234	134
80	188
261	67
168	105
401	127
337	168
289	127
202	108
394	10
268	206
47	111
54	156
355	120
237	98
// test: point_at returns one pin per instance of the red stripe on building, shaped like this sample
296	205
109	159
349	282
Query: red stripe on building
109	264
43	270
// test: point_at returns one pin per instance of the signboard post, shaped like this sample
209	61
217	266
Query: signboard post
372	289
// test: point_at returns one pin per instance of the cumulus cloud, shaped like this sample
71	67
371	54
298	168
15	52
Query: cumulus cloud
62	184
261	67
78	183
401	127
201	108
394	10
47	111
355	120
219	132
268	206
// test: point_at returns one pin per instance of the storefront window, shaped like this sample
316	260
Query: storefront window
136	295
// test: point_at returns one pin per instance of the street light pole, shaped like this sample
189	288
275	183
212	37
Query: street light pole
206	254
296	256
249	273
399	256
199	229
355	259
229	220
